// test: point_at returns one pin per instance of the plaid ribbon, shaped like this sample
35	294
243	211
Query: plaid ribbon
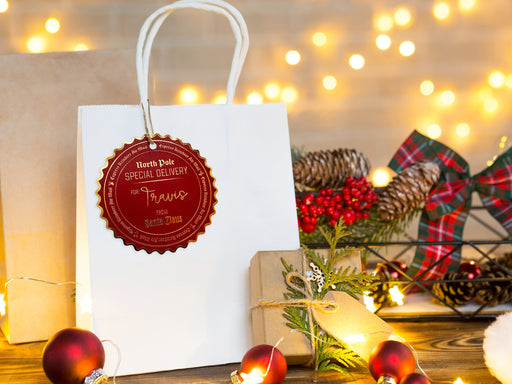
448	204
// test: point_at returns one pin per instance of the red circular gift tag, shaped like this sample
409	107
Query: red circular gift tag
157	199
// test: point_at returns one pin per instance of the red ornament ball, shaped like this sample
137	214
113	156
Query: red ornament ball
391	359
471	267
266	359
415	378
71	355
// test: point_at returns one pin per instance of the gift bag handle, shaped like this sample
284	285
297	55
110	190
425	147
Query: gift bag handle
152	25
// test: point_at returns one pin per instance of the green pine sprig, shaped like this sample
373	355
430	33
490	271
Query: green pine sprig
329	353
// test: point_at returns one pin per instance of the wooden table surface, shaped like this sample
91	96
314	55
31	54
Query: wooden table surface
447	349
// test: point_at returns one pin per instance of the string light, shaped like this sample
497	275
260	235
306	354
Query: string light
319	39
293	57
458	381
4	6
466	5
427	88
441	11
329	82
369	303
272	91
462	130
434	131
220	98
383	42
402	17
354	338
35	44
289	95
407	48
356	61
52	25
81	47
3	304
254	98
188	95
381	177
256	376
384	23
396	295
496	79
447	98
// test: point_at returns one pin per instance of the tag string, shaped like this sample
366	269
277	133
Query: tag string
149	129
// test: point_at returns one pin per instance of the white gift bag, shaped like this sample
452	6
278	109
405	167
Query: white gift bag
190	307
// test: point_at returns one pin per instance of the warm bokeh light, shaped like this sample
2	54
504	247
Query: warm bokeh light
383	42
272	91
496	79
329	82
354	338
434	131
458	381
508	81
3	305
462	129
466	5
256	376
293	57
383	23
188	95
485	93
81	47
396	295
441	11
4	6
403	17
319	39
491	104
427	88
52	25
369	302
407	48
254	98
36	44
289	95
381	177
220	98
447	98
356	61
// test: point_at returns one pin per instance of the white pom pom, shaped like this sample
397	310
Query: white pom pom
498	348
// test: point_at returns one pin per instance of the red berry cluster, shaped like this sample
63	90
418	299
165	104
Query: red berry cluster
352	203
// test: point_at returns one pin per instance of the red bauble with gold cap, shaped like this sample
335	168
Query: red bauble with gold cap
74	356
390	361
263	364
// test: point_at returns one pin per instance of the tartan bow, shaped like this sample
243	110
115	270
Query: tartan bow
448	204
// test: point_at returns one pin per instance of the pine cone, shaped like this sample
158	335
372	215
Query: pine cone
380	293
330	168
454	293
408	189
495	292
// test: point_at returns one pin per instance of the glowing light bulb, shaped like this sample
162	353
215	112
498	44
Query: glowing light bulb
402	17
434	131
329	82
293	57
427	88
220	98
85	304
289	95
369	304
3	305
466	5
458	381
254	98
353	339
383	42
407	48
256	376
496	79
381	177
441	11
462	129
384	23
81	47
491	104
319	39
272	91
447	98
35	44
188	95
356	61
4	6
396	295
52	25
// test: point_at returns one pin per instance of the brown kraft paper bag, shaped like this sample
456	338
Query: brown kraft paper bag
39	97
